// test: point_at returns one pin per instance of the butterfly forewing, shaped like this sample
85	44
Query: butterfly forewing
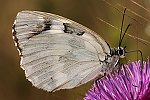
57	53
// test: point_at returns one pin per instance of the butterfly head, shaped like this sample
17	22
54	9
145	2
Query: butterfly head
121	52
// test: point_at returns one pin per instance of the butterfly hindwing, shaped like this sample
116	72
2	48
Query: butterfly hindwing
57	53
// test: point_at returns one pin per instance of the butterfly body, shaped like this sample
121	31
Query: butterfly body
58	53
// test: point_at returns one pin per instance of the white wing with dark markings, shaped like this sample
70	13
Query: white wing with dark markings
58	53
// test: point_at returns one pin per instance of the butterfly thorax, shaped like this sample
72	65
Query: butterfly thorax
111	60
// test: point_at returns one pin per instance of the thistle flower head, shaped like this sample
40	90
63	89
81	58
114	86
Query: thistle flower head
132	82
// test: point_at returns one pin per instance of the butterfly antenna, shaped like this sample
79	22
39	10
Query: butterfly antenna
124	34
122	25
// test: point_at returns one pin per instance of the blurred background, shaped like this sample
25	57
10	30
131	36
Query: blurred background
102	16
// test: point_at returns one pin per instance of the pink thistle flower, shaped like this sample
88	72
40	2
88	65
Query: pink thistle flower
130	83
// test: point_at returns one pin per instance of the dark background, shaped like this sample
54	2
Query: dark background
13	84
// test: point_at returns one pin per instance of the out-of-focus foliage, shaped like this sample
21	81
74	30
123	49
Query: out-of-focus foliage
14	86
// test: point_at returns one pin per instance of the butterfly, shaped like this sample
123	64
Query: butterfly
58	53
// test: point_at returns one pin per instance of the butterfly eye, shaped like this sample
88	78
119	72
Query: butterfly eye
121	53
